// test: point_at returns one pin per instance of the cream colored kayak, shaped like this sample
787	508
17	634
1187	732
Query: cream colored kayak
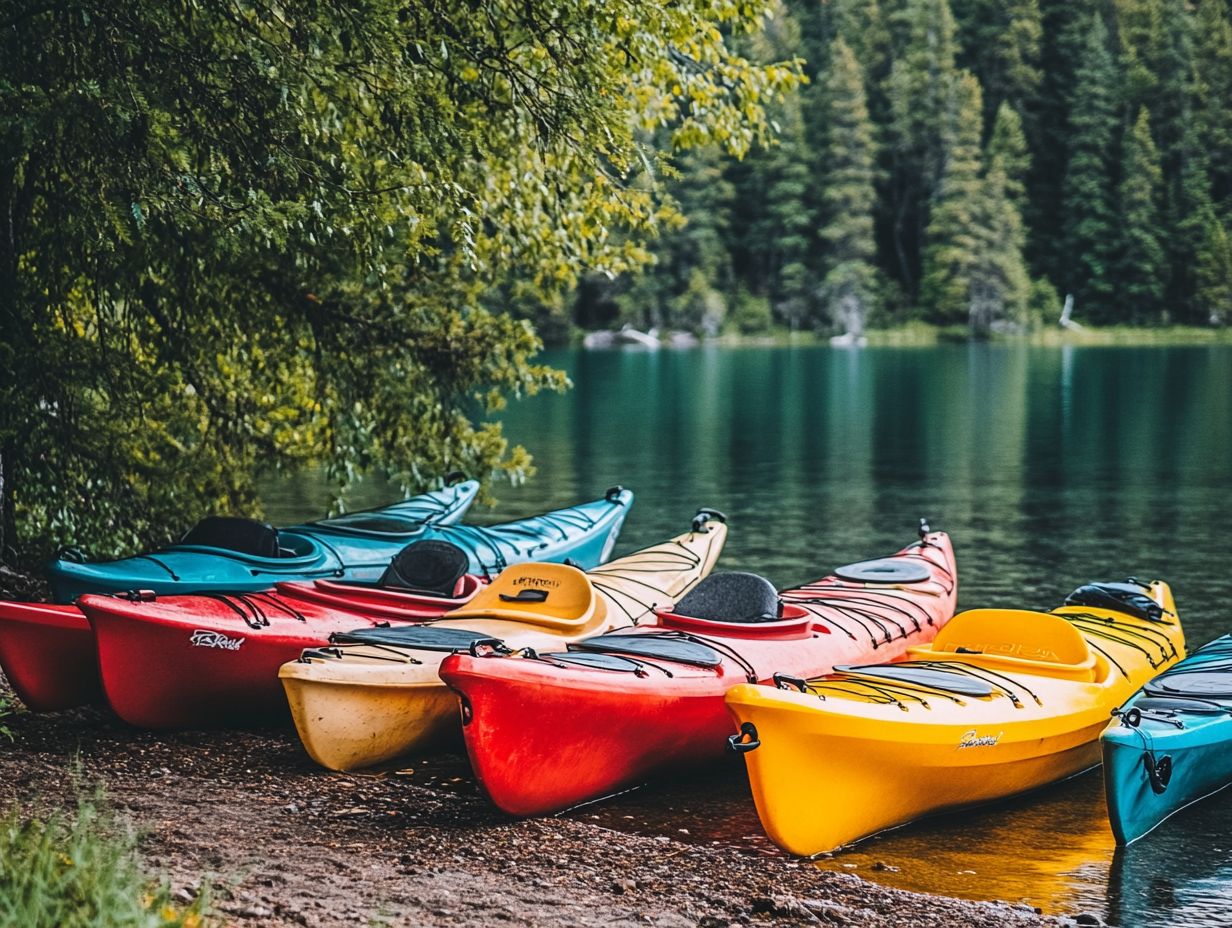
376	693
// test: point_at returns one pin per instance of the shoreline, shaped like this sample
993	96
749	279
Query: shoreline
925	335
285	843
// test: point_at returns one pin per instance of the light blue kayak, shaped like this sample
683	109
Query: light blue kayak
226	555
1171	744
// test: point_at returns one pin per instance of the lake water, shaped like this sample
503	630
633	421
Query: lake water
1049	467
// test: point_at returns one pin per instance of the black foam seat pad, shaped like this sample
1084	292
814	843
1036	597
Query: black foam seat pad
419	637
662	647
1121	597
233	533
944	680
731	596
1200	684
885	570
429	566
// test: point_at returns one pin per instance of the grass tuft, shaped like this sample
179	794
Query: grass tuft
81	871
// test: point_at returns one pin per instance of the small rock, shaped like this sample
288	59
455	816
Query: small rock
1087	918
882	867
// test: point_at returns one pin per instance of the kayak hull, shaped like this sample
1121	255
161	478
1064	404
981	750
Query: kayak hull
1190	739
875	747
542	737
357	706
47	654
314	550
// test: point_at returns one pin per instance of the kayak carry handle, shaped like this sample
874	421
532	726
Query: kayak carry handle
786	682
526	596
1159	772
454	476
745	741
141	596
612	494
924	529
706	514
495	648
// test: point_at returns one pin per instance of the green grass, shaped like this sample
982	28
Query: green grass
81	871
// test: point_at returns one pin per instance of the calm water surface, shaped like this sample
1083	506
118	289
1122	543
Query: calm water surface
1048	466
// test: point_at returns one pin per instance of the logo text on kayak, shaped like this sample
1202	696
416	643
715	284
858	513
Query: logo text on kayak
204	639
972	739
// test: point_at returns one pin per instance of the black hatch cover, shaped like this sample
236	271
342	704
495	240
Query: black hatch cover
943	680
421	637
663	647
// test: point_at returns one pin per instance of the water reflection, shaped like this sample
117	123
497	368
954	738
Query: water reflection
1049	466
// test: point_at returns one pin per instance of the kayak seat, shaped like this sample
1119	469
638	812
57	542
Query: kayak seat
732	596
431	566
556	597
1130	598
1031	642
232	533
885	570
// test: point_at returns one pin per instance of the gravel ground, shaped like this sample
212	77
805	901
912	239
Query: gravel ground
286	843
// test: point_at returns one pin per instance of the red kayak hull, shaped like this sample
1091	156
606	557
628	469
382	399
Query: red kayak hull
212	661
47	654
543	736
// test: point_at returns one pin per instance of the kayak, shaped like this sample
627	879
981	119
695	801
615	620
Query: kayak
376	693
48	653
224	553
1171	743
212	659
1003	701
549	730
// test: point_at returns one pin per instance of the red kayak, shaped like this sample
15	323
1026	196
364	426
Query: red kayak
48	651
548	731
212	659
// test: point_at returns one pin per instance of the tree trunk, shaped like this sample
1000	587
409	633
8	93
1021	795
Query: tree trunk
8	519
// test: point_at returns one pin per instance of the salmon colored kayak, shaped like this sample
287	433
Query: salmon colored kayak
554	729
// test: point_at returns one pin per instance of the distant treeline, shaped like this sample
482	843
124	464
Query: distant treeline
965	163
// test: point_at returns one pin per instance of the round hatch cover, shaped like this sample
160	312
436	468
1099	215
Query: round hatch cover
884	570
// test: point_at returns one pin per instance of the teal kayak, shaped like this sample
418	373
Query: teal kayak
225	554
220	556
1171	744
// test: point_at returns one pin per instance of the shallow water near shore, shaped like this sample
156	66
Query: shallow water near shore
1049	466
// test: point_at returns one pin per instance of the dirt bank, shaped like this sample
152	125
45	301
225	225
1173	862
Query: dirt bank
294	845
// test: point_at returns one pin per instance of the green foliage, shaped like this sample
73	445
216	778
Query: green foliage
1214	273
81	872
751	314
243	237
849	195
1090	215
1143	266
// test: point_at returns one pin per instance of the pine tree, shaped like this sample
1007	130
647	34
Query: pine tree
1007	149
1000	284
1000	42
848	195
954	238
922	86
1088	213
1214	273
789	220
1212	96
1143	266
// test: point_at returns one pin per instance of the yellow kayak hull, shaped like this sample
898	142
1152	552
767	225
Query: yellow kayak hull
831	770
359	705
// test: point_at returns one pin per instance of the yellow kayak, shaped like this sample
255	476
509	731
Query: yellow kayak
376	693
1001	702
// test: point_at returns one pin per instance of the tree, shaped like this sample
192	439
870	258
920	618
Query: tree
954	235
1007	149
1212	91
1143	266
922	87
244	237
1088	210
1214	273
848	193
1001	45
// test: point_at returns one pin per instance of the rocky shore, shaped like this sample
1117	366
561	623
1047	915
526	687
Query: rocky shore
284	843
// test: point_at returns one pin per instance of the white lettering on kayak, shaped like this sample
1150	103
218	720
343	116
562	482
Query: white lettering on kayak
204	639
972	740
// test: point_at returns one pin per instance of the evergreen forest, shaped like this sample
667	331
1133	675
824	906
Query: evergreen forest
962	162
